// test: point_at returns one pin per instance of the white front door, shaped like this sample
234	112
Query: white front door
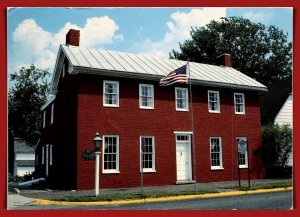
183	157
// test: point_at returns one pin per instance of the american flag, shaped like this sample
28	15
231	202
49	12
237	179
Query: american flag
176	76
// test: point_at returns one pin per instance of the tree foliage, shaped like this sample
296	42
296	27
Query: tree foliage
260	52
277	145
29	91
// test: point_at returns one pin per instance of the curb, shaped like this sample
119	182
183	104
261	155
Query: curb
162	199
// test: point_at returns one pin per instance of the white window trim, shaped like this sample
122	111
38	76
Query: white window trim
43	155
187	99
118	94
51	158
246	153
52	113
140	91
111	171
148	170
221	157
44	118
244	106
219	109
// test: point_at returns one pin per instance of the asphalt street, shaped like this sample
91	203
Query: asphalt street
263	201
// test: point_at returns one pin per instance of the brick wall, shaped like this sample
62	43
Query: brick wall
130	122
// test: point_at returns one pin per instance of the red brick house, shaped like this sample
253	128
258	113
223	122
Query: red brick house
118	95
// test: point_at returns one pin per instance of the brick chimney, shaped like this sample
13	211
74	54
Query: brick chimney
224	60
72	37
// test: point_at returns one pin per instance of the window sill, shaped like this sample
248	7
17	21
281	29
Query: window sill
182	110
237	113
149	108
148	171
113	106
214	112
243	167
216	168
111	172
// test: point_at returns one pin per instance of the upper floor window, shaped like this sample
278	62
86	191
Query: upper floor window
239	103
44	118
111	93
146	96
213	101
147	153
181	96
216	153
111	154
52	113
243	152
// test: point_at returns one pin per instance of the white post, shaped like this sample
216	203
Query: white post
97	155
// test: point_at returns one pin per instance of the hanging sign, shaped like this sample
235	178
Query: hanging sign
242	146
87	155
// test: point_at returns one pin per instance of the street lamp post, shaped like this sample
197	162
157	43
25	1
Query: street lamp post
97	143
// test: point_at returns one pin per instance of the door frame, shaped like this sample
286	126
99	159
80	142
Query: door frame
189	152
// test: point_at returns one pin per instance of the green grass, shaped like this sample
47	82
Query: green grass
130	196
267	186
133	196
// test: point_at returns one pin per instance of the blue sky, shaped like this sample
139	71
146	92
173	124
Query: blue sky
34	34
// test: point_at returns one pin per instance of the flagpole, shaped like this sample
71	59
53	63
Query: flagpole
193	128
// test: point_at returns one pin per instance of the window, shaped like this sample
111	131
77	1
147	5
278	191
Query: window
147	153
183	138
43	154
36	159
146	96
111	93
216	153
239	103
44	119
63	70
242	157
181	96
213	101
51	150
52	113
111	154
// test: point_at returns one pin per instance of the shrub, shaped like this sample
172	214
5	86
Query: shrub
277	149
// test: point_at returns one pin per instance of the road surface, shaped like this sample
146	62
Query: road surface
264	201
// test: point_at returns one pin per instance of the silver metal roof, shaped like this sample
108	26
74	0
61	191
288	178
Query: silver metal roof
125	64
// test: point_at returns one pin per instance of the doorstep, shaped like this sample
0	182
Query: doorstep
182	182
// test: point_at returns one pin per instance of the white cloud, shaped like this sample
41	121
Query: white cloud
179	30
33	44
258	16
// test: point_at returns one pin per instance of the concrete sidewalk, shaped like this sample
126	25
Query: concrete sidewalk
228	186
16	200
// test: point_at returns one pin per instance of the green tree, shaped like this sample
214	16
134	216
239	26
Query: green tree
29	91
260	52
277	147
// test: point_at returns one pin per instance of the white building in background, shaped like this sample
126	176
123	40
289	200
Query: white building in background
285	114
24	161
